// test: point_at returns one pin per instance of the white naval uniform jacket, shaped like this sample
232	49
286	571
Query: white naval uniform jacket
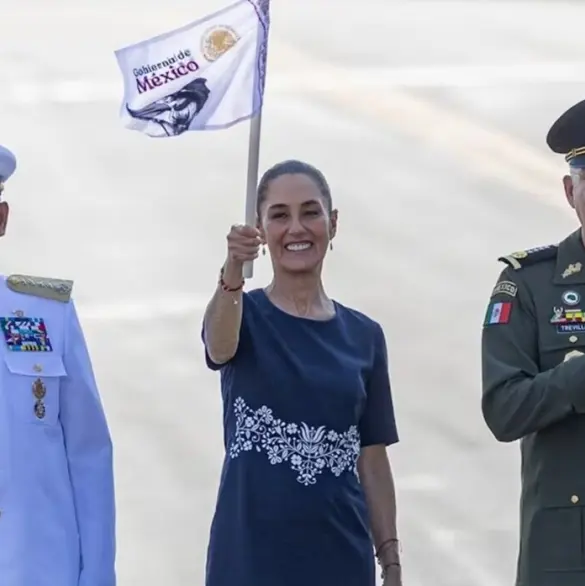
57	511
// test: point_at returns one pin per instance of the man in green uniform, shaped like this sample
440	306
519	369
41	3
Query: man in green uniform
533	368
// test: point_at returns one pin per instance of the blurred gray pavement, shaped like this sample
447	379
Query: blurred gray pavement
429	119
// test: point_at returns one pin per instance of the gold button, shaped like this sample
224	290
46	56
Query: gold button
37	368
573	339
574	499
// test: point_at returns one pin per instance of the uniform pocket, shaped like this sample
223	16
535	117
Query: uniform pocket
33	383
554	351
556	540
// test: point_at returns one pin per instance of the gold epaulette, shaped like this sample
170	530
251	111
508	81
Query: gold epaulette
524	258
55	289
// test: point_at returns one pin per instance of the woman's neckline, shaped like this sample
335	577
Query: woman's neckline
312	320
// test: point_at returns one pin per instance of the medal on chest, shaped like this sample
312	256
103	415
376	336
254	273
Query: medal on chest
569	318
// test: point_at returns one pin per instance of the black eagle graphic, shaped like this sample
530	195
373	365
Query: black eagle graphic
175	112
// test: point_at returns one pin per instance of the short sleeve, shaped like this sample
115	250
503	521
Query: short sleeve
208	361
378	424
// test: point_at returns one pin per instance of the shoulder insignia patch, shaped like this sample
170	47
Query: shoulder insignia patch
505	288
572	269
55	289
524	258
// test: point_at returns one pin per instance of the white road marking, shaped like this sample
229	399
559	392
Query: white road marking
316	78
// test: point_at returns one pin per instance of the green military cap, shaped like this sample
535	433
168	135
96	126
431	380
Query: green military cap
567	135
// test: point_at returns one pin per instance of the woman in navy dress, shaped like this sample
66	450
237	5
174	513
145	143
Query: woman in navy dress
306	495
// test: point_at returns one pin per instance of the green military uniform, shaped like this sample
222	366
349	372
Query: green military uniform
533	371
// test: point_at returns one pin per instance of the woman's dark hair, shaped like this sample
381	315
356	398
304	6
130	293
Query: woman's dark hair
293	167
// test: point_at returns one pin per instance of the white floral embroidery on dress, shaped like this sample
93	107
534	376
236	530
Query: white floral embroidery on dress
308	450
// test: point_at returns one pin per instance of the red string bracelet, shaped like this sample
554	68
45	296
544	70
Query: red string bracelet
225	287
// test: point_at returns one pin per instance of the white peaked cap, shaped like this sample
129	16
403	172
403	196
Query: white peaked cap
7	163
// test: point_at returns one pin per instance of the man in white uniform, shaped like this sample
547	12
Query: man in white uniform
57	508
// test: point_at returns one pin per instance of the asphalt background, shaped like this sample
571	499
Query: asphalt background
429	120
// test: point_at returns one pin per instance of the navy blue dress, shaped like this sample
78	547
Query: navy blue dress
301	397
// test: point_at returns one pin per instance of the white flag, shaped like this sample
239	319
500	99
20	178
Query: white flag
208	75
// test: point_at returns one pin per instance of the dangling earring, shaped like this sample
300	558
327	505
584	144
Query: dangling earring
264	250
331	245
